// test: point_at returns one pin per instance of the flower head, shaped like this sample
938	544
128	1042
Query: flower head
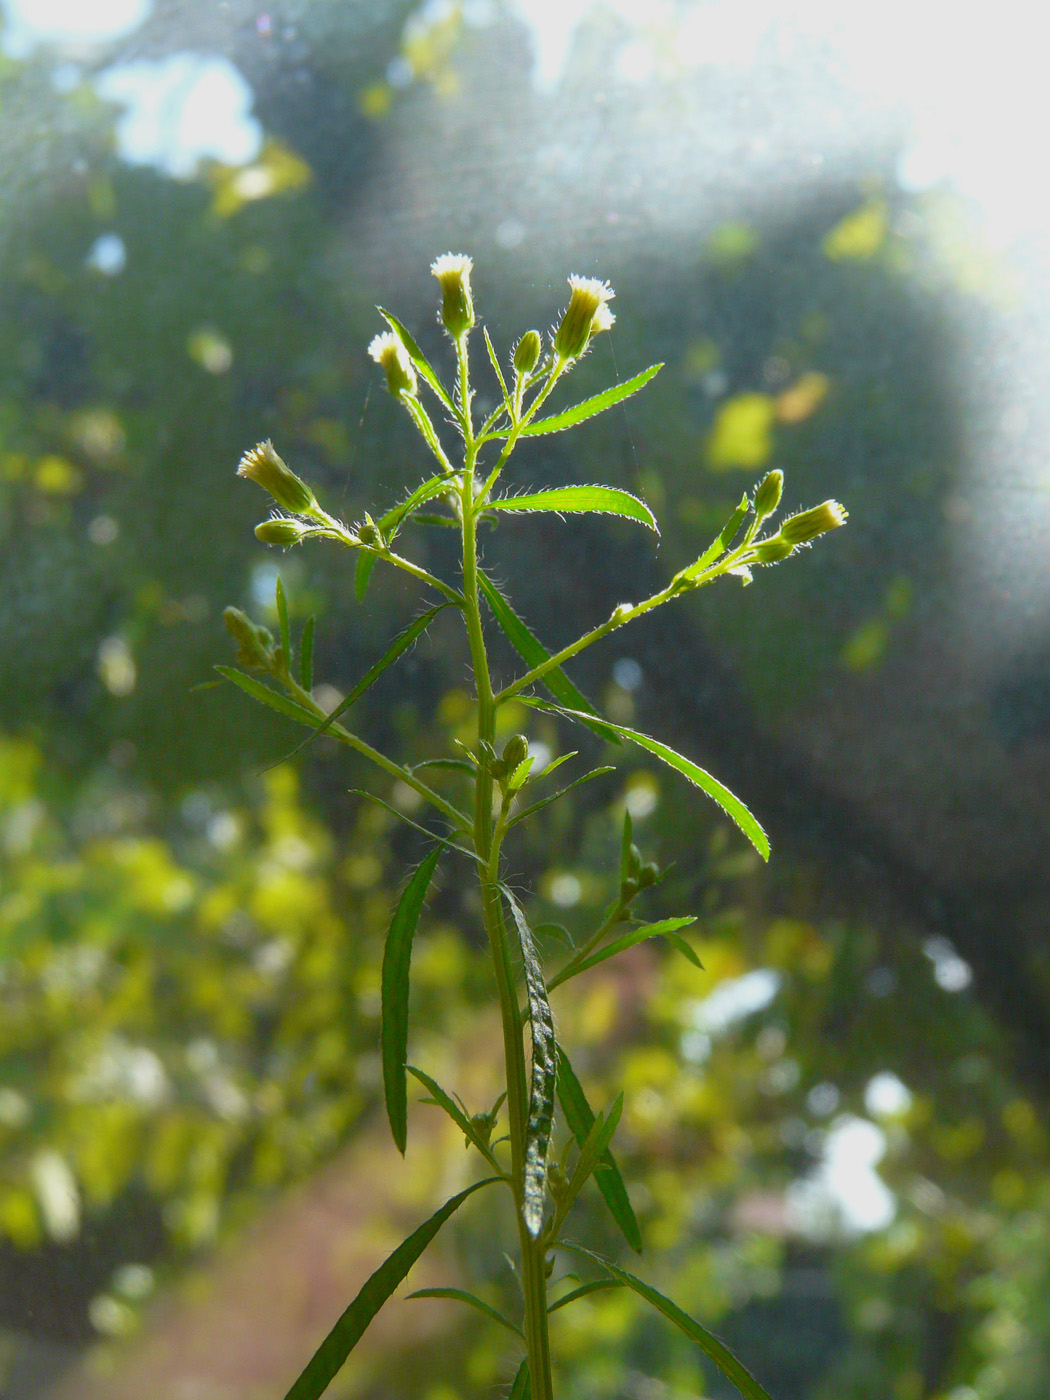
386	349
452	271
264	466
808	524
586	314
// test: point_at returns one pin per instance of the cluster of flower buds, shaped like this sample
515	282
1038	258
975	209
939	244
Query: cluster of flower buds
637	877
508	770
256	650
263	465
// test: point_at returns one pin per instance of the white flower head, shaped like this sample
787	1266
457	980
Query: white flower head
586	314
452	271
386	349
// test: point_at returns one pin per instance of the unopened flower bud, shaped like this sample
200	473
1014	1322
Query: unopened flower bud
263	466
452	271
767	497
585	314
808	524
369	533
386	349
648	875
772	551
284	532
515	751
254	644
527	353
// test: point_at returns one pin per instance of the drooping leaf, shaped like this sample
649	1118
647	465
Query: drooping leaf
404	639
306	655
521	1389
460	1295
366	562
347	1332
553	797
720	1354
665	927
699	777
610	1183
282	620
418	358
534	653
540	1122
291	709
601	500
397	958
580	412
462	1122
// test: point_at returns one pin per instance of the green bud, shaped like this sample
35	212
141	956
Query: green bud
254	644
515	751
263	466
386	349
369	533
771	551
585	314
527	353
452	271
648	875
767	497
284	532
808	524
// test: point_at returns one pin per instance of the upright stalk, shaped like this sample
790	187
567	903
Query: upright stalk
533	1262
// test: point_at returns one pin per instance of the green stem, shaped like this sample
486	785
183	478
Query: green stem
533	1252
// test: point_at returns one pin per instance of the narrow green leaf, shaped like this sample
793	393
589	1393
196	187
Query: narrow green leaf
685	950
282	619
534	653
556	763
602	500
435	486
594	1145
291	709
664	927
462	1122
580	1119
720	544
521	1389
397	647
326	1361
595	1286
306	655
418	358
460	1295
699	777
493	360
553	797
397	957
540	1122
454	765
720	1354
366	562
558	422
444	841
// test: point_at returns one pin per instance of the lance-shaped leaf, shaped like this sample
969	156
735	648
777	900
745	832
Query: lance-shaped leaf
347	1332
460	1295
418	359
580	412
699	777
540	1122
366	562
521	1389
435	486
553	797
494	361
720	1354
282	621
291	709
595	1144
580	1119
720	544
597	1285
601	500
306	655
397	647
397	958
663	927
462	1122
534	653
